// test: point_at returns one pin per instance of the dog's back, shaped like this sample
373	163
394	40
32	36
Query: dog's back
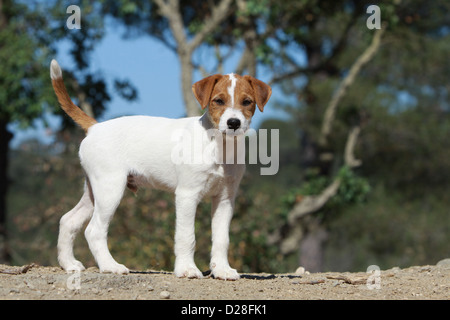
140	146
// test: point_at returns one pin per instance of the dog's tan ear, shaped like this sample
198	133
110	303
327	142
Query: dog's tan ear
203	89
262	91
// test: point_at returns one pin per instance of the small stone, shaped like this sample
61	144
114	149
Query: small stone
29	285
300	271
394	270
445	263
425	269
164	295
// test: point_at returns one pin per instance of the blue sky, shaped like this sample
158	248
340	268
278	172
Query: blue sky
152	68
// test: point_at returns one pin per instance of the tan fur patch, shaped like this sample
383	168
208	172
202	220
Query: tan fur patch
220	100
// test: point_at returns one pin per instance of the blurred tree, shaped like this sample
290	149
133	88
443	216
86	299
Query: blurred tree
223	26
405	80
29	34
181	25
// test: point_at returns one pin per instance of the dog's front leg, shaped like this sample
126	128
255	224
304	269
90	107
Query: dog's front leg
222	210
186	206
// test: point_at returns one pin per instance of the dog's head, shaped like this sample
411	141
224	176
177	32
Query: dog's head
232	100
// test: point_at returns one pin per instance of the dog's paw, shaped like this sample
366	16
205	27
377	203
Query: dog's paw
191	272
114	268
73	266
225	273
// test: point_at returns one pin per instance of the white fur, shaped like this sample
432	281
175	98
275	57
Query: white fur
55	70
143	146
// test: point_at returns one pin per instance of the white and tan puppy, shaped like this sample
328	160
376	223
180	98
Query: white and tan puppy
138	151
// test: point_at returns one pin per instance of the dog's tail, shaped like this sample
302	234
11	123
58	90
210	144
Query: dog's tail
78	115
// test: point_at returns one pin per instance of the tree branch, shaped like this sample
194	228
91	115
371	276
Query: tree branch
299	70
245	61
330	112
219	13
290	234
170	9
349	156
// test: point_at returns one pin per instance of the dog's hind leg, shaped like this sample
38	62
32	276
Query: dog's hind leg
108	191
69	225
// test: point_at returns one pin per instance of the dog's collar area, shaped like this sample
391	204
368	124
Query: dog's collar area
206	122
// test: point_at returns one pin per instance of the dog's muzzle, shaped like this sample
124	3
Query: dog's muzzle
233	123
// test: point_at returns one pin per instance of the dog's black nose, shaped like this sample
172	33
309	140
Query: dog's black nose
233	123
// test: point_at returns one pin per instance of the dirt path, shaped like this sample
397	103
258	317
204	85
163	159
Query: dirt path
43	283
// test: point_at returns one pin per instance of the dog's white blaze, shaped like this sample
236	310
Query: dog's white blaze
232	88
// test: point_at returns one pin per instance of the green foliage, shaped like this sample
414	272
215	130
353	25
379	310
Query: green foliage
25	94
28	43
256	8
353	189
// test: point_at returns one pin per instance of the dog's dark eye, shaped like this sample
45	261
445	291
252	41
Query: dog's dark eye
220	102
246	102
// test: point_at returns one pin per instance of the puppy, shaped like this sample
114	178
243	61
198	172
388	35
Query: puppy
138	151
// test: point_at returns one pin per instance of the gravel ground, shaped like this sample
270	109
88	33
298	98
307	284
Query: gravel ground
51	283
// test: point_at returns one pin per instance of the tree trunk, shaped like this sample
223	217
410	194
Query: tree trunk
192	107
311	255
5	138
